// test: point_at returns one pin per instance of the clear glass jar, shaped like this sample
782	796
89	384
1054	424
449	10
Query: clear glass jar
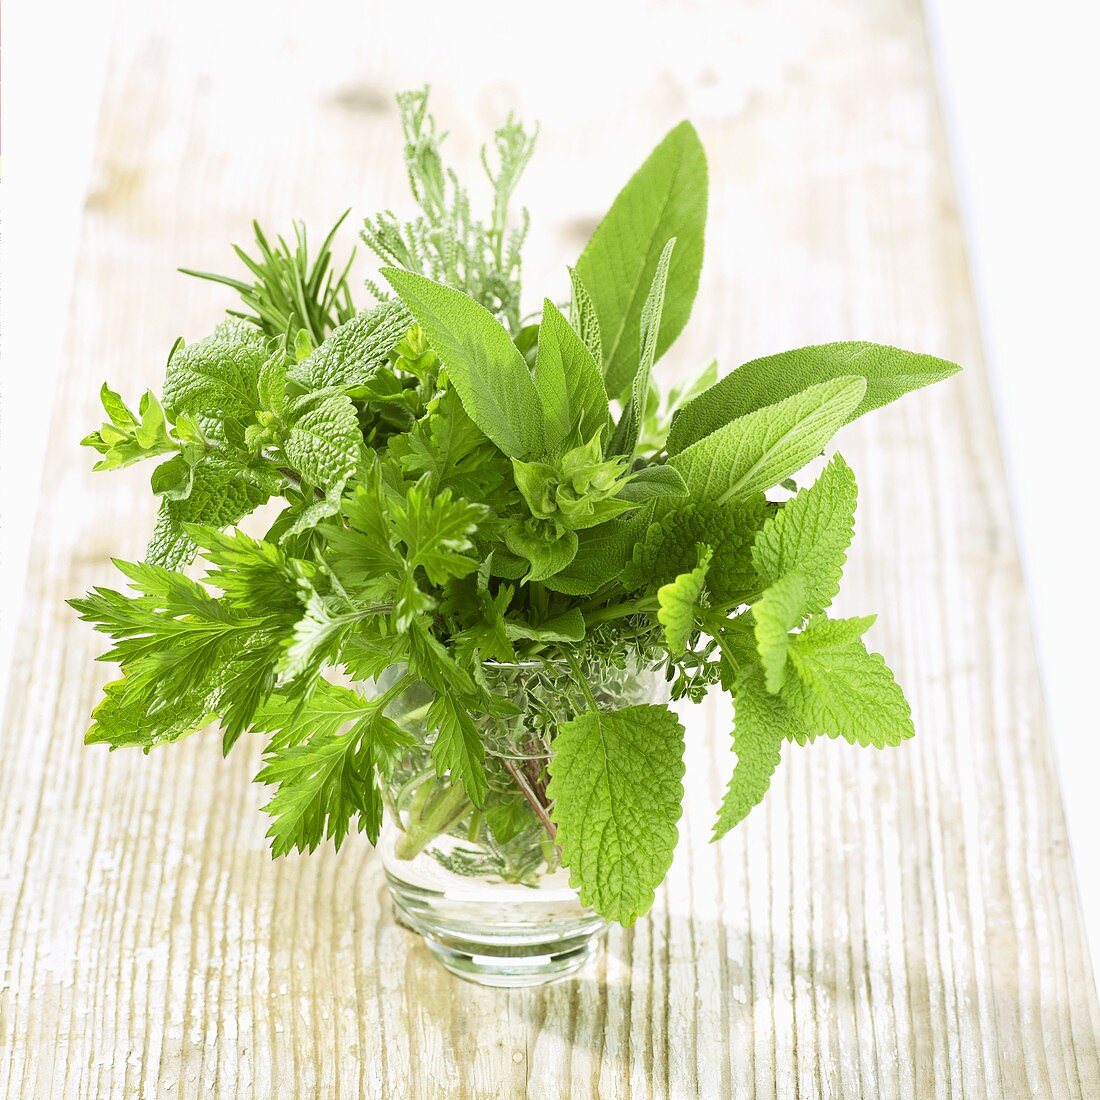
485	886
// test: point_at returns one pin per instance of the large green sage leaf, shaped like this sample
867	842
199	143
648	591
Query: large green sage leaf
483	364
666	197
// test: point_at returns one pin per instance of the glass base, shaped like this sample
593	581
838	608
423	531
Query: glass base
498	956
501	934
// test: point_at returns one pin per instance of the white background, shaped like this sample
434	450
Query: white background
1021	94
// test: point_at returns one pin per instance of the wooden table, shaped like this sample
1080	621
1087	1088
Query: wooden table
888	924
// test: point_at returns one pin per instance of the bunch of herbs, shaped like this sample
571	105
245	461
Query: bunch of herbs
461	485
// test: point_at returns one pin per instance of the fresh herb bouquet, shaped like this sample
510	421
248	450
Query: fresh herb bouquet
496	522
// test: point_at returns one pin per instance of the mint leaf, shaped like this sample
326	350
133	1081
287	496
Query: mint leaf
810	534
173	479
626	433
271	383
481	361
679	603
889	373
120	721
616	783
127	438
321	444
666	197
669	548
831	633
757	451
355	351
568	382
841	690
217	377
761	722
117	409
776	614
224	489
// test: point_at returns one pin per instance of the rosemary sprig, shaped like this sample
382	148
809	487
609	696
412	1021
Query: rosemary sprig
291	292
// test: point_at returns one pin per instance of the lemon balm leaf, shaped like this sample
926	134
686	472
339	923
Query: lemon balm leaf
617	788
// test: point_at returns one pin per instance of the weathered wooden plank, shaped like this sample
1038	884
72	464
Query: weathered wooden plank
891	925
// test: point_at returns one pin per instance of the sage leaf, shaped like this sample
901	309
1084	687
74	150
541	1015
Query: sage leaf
889	374
666	197
756	451
484	365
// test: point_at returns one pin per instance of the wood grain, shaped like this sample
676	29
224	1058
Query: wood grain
899	924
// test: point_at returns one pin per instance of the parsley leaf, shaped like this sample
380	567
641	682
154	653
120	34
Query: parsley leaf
457	747
447	444
436	530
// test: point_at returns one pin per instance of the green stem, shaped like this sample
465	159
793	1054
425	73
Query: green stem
439	815
621	611
525	789
717	626
582	680
393	691
538	599
598	597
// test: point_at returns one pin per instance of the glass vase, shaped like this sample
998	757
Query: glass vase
484	885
